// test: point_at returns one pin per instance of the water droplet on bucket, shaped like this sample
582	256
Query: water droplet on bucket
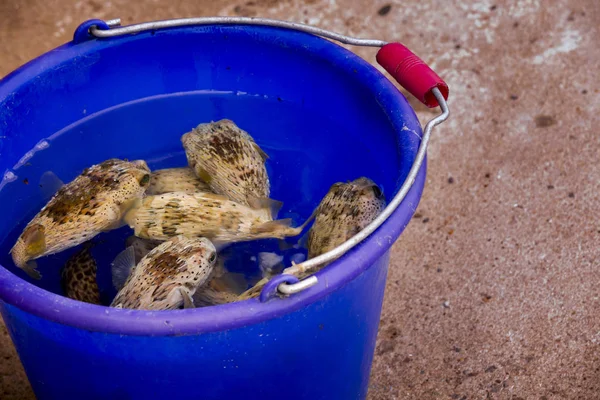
8	177
42	145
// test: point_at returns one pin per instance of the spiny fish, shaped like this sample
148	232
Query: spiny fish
222	287
228	159
175	180
93	202
204	214
169	275
78	277
346	209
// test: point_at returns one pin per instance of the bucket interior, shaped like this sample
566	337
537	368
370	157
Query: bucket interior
321	114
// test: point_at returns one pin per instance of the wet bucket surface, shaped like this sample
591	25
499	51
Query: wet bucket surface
322	114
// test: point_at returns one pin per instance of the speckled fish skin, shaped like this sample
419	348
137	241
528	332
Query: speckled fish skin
346	209
93	202
176	180
78	277
179	264
203	215
228	159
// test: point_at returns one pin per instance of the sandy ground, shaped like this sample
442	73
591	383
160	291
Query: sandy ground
493	288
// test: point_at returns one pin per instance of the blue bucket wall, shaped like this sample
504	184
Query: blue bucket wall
327	357
322	114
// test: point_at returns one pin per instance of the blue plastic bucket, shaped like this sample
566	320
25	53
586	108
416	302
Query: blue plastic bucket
322	113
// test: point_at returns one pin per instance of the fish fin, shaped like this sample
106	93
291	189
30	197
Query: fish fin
50	183
231	282
203	175
263	203
34	237
273	226
122	266
260	151
30	269
219	269
303	241
309	219
188	302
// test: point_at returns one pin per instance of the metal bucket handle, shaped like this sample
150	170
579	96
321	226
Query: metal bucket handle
408	70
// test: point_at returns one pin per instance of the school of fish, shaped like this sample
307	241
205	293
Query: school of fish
182	219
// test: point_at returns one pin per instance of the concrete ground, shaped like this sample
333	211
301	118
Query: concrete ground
493	288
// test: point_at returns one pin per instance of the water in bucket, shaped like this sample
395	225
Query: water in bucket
150	129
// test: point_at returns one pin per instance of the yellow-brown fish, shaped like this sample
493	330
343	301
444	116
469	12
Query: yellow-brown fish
78	277
221	287
175	180
93	202
204	215
228	159
169	275
346	209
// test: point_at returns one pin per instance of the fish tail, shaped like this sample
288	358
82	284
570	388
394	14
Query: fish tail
274	226
262	203
50	183
23	260
282	245
30	268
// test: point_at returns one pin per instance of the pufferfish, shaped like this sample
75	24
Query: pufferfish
93	202
228	160
221	287
168	276
208	215
78	277
346	209
175	180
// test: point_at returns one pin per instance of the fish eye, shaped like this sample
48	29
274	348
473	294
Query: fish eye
145	180
213	257
377	192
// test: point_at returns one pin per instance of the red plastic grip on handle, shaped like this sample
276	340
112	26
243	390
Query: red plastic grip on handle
412	73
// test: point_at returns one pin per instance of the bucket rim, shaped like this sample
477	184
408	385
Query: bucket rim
32	299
